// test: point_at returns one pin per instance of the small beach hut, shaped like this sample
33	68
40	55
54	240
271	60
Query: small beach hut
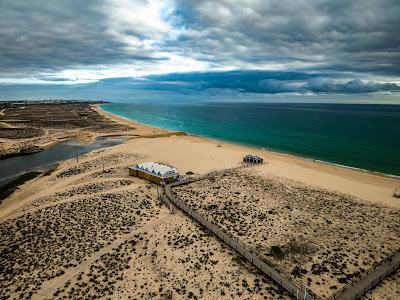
155	172
396	192
253	159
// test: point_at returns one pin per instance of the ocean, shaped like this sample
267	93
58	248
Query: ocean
365	136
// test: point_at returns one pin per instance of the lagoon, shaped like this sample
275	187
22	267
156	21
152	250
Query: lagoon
12	167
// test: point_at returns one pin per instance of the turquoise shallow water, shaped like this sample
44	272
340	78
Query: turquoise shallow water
357	135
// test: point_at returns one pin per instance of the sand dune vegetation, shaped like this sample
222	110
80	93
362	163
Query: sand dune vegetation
321	238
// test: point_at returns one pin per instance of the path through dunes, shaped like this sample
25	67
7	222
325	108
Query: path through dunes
50	287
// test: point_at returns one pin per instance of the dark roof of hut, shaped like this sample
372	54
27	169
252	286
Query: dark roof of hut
252	156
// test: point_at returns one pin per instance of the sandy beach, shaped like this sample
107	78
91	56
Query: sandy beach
98	234
202	155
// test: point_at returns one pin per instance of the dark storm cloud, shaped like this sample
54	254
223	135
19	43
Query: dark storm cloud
352	86
341	35
265	82
48	36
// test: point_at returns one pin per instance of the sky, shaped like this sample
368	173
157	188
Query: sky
244	49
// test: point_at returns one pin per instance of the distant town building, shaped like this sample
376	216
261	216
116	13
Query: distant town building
253	159
155	172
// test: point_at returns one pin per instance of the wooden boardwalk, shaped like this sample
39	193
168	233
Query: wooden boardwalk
368	280
293	287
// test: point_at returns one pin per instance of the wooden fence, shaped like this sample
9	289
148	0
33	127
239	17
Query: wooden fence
293	287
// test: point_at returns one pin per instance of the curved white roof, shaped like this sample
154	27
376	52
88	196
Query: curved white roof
156	168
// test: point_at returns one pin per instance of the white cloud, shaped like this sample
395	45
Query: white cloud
140	25
174	64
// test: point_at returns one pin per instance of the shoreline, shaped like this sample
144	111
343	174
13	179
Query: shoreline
10	187
130	122
125	121
82	151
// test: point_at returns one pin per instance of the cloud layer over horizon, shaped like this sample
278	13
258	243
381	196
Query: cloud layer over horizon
249	45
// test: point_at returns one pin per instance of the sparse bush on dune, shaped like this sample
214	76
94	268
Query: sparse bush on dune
101	278
61	236
326	238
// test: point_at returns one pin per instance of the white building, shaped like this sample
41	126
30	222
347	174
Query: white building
155	172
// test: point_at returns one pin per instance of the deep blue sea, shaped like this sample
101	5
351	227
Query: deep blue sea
364	136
